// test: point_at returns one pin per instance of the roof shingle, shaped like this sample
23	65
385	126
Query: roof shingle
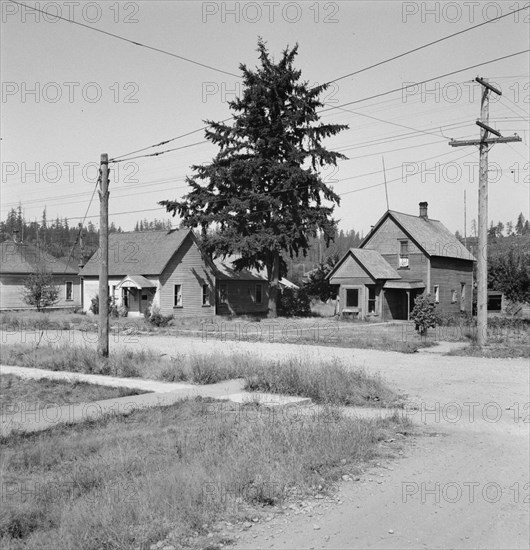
138	252
27	258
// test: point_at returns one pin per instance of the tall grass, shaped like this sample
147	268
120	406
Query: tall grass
333	382
325	382
129	482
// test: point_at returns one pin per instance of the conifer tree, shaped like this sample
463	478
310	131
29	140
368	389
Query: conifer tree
263	190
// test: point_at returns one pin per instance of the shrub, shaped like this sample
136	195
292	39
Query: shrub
424	314
154	317
94	306
294	303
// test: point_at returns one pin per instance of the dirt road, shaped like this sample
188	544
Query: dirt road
464	484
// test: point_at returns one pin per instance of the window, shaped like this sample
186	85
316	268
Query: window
68	291
258	293
403	254
453	297
113	295
223	296
205	295
352	297
462	296
125	297
436	292
371	299
178	296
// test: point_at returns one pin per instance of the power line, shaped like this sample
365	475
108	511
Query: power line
81	227
341	77
425	45
350	102
135	43
424	81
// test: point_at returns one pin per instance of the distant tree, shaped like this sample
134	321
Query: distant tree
317	286
509	273
526	228
509	229
499	229
519	226
492	231
458	235
40	290
264	189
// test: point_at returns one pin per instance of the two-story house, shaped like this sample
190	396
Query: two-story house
401	257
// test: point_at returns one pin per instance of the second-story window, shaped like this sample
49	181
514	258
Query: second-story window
403	253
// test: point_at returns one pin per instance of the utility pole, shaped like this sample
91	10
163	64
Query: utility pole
465	220
103	332
484	143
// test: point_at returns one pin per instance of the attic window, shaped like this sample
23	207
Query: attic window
403	254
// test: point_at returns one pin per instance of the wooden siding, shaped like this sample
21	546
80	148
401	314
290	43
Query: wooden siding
187	268
11	289
241	298
386	240
448	273
350	268
417	270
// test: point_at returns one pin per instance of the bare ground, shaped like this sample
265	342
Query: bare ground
463	485
466	486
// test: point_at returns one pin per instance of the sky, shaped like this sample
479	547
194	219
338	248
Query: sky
70	93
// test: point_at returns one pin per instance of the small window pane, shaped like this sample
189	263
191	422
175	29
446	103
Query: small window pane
223	298
352	297
178	296
205	295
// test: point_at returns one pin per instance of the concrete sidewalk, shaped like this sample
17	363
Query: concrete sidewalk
34	417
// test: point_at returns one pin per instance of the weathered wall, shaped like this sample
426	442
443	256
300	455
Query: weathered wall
187	268
11	291
448	273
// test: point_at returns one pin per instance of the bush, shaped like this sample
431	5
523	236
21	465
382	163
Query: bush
424	314
94	306
294	303
154	317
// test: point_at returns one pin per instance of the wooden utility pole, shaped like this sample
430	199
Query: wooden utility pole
103	332
484	144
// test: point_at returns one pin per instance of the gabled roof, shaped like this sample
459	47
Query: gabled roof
27	258
138	281
226	271
371	261
431	236
138	252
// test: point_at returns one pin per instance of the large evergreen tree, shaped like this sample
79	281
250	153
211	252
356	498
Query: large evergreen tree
263	191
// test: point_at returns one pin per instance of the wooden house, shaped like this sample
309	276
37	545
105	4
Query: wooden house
19	260
167	269
401	257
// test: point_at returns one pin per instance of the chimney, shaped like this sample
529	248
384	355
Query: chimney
423	210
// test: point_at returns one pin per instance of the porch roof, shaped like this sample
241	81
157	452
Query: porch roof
404	285
135	281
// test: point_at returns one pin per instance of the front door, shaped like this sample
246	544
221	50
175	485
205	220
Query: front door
146	297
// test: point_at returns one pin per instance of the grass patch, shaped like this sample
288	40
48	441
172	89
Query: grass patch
494	351
333	383
81	359
171	473
44	392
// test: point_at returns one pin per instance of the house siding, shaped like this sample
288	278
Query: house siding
448	273
187	268
386	240
12	287
241	298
